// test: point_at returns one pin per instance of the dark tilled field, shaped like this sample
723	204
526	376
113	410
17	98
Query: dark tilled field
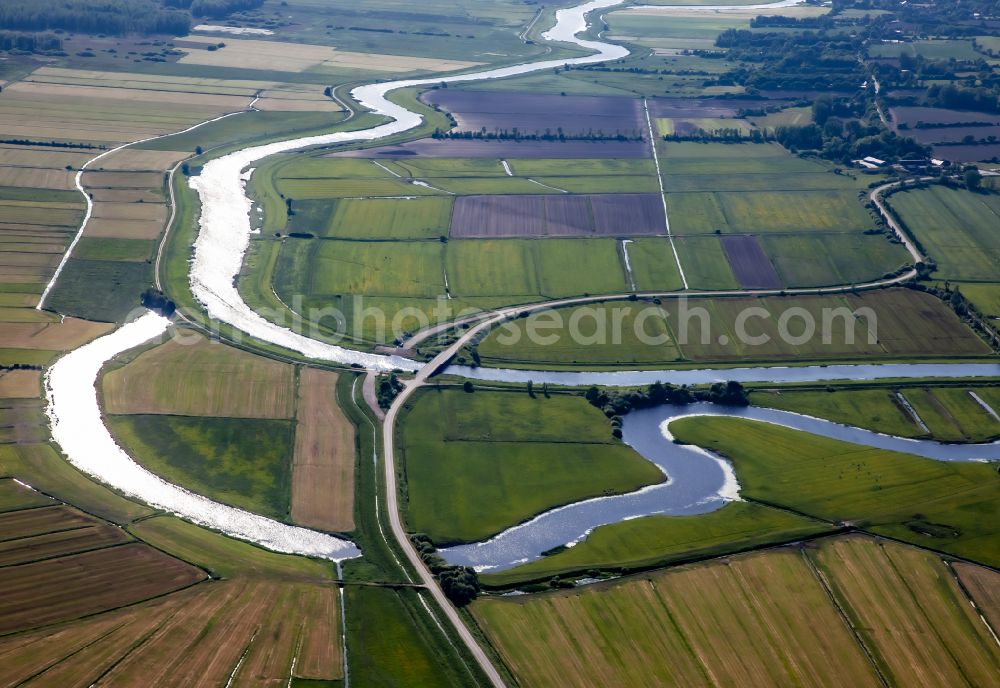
703	107
911	115
524	150
535	113
968	153
751	266
563	215
952	134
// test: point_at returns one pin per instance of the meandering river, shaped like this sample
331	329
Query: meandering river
225	231
697	481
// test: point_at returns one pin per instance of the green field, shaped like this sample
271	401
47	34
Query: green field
242	462
956	228
950	413
131	250
393	643
478	463
704	262
821	259
396	275
907	324
949	506
659	540
734	212
374	218
985	297
410	269
102	290
654	267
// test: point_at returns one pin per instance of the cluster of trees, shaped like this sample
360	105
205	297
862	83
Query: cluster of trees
845	141
615	403
548	135
31	42
115	17
726	135
156	300
978	98
782	60
388	388
459	583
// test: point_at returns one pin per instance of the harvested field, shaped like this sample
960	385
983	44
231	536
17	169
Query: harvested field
751	266
145	212
98	179
984	587
43	156
667	629
193	637
276	56
909	611
562	215
198	377
20	384
55	531
123	229
139	160
538	114
323	463
36	177
103	114
70	587
569	150
54	336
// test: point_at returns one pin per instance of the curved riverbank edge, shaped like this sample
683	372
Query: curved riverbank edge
78	427
698	481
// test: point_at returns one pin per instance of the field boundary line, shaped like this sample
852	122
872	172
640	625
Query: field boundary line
972	600
821	579
663	193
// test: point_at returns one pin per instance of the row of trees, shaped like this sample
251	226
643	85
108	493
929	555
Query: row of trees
115	17
30	42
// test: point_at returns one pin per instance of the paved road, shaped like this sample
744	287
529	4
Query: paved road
395	519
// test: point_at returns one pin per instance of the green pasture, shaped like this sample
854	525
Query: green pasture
659	540
956	228
508	458
949	506
242	462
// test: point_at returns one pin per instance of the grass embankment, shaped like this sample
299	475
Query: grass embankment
479	463
951	414
660	540
952	507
